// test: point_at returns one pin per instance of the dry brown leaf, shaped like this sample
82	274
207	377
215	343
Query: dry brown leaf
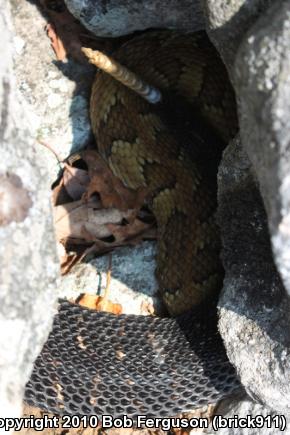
86	220
68	261
75	181
136	231
98	247
59	194
56	42
102	219
99	303
71	186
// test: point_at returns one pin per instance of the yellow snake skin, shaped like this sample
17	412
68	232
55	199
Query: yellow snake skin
143	149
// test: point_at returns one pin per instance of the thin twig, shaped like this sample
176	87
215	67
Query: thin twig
109	275
62	163
50	148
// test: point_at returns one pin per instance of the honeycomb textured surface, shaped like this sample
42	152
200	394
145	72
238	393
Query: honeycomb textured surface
96	363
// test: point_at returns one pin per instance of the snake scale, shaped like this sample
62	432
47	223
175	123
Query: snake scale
98	363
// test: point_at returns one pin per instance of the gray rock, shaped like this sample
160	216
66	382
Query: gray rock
263	84
254	307
133	283
116	18
27	248
55	93
227	23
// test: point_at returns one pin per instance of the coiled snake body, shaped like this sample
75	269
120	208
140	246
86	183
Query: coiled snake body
98	363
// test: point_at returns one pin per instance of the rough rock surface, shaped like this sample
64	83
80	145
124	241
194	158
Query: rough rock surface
263	83
133	283
254	306
116	18
254	321
27	247
56	94
227	23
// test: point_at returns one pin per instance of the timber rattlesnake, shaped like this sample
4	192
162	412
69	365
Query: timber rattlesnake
98	363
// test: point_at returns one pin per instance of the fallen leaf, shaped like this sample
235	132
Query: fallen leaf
137	230
99	303
75	181
87	220
67	262
56	42
94	212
